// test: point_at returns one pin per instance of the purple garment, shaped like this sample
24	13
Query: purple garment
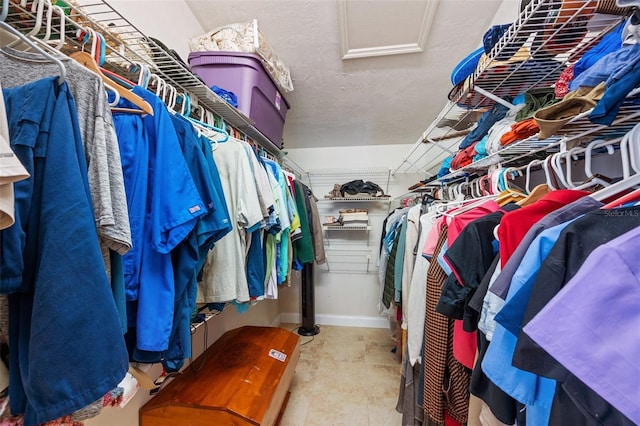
500	286
591	327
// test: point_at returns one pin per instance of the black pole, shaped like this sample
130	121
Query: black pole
308	327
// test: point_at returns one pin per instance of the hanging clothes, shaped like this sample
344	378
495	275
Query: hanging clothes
188	257
164	206
11	170
303	248
440	372
577	329
99	140
224	276
54	320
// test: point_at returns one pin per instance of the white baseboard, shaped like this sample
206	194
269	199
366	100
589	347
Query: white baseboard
339	320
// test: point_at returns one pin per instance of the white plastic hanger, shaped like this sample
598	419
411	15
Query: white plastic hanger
32	44
528	174
547	173
63	27
556	165
571	155
114	103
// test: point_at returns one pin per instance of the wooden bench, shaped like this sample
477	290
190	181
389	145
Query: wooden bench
243	382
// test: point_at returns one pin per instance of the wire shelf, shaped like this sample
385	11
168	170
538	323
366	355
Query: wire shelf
579	132
547	36
127	46
355	199
346	227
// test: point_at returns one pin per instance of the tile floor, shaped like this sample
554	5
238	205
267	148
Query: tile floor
345	376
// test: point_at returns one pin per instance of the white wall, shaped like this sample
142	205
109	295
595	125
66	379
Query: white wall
348	298
169	21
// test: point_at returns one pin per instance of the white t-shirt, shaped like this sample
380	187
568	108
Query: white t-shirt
416	306
224	275
265	196
412	236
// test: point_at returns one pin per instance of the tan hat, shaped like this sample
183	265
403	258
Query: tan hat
552	118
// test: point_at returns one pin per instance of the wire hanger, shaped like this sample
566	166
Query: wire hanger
30	43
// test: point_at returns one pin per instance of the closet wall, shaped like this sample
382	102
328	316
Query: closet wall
170	21
348	299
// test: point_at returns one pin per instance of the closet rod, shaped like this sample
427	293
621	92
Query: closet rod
103	18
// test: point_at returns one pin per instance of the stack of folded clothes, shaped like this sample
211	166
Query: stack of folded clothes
354	217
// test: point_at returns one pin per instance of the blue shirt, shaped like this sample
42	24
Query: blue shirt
164	205
187	254
67	348
534	391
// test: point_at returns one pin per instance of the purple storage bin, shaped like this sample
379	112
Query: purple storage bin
243	74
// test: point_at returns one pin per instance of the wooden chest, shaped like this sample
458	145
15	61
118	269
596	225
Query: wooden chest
243	382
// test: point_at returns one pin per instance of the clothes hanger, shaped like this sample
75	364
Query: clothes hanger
116	95
557	170
630	151
536	193
30	43
86	60
47	28
63	27
632	197
37	7
616	188
547	173
592	178
571	155
508	194
528	174
207	128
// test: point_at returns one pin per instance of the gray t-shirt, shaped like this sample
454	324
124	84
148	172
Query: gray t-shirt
98	136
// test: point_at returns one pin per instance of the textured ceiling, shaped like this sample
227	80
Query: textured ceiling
386	99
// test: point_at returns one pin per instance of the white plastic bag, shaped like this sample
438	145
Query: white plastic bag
244	37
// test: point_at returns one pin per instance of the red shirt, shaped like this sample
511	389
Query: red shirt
460	220
515	224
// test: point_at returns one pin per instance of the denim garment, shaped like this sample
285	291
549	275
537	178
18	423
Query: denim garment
618	87
62	312
256	269
485	122
586	314
612	64
611	42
